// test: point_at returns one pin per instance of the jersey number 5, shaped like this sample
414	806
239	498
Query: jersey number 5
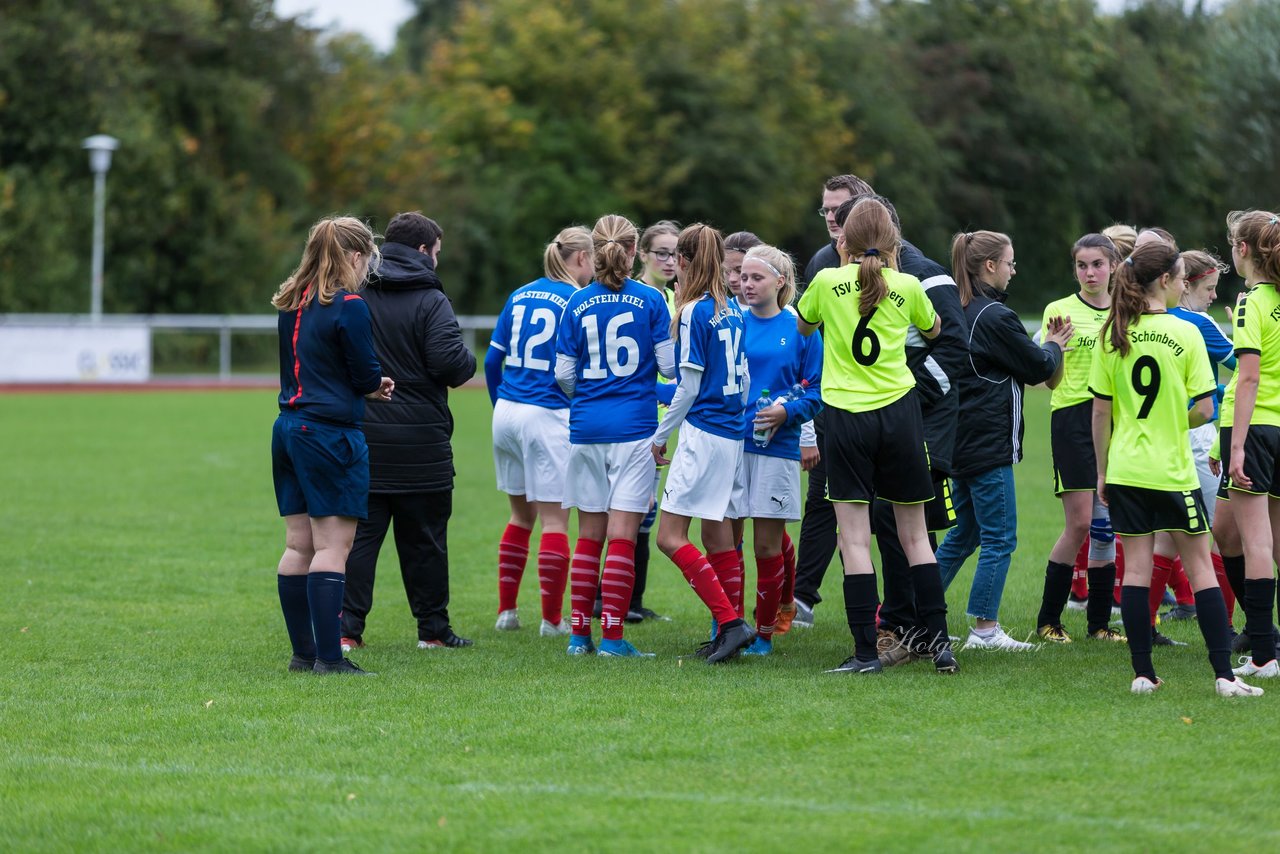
735	361
615	345
1149	387
547	318
866	346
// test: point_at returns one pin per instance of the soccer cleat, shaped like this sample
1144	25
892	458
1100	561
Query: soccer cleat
1159	639
1076	603
944	661
639	615
786	613
1270	670
1143	685
853	664
886	640
1108	634
581	645
342	665
704	649
549	629
448	641
298	664
1180	612
621	649
349	644
731	641
1168	600
998	640
804	616
759	646
1054	633
1240	643
1236	688
508	621
898	653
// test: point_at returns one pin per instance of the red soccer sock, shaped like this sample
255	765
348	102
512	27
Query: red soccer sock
1160	569
702	578
584	578
789	570
769	579
1080	572
1220	570
728	570
513	552
1181	584
553	575
615	588
1119	570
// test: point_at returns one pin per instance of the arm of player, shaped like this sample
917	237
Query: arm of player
1247	372
493	359
1101	442
566	373
681	403
664	392
1200	412
665	353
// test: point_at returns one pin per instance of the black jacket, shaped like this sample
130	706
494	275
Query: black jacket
417	339
1002	358
937	364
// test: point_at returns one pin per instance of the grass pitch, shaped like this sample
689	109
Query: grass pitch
144	703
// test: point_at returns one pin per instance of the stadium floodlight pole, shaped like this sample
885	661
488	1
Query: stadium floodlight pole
100	148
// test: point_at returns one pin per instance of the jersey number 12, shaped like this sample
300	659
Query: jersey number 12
547	318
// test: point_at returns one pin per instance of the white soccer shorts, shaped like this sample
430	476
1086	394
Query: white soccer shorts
771	489
530	450
610	476
706	479
1202	439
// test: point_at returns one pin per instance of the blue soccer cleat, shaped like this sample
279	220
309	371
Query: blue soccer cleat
581	645
759	646
621	649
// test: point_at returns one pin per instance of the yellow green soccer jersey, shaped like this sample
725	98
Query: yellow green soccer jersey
1167	364
864	358
1087	320
1258	331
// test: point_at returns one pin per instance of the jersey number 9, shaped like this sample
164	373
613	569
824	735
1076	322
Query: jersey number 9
615	345
1148	387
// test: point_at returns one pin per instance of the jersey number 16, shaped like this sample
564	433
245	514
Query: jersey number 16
615	346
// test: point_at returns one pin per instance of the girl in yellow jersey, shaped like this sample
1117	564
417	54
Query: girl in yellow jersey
874	433
1095	259
1251	446
1148	364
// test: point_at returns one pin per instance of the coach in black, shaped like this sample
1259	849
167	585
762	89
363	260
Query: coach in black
410	458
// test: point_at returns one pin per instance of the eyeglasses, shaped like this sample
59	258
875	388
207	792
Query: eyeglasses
1013	265
663	254
826	212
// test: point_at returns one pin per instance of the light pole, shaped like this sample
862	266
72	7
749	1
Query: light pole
100	148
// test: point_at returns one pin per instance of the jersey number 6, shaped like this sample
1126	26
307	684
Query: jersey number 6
866	346
615	345
1149	388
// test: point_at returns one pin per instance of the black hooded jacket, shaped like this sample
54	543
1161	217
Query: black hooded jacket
1002	358
419	344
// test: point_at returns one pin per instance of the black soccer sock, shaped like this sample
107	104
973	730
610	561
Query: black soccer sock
324	593
1259	596
297	614
931	607
1211	614
1233	565
1057	587
860	602
1136	613
642	570
1102	591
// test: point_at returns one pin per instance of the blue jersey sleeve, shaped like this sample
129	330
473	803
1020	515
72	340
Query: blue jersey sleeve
665	392
693	338
355	327
567	337
807	407
493	359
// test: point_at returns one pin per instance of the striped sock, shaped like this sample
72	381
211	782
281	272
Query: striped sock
513	552
1161	567
769	579
789	569
1181	585
584	579
1079	582
616	585
553	575
728	569
702	578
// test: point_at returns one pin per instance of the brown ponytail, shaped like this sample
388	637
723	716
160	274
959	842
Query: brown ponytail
1134	279
969	251
871	240
326	266
702	248
1260	230
614	238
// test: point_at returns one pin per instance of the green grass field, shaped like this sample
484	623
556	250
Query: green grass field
144	703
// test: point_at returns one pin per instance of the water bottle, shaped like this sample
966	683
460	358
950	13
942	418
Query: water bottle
761	435
798	390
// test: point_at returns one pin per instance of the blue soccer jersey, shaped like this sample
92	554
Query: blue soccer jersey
612	335
780	357
526	333
1218	346
711	341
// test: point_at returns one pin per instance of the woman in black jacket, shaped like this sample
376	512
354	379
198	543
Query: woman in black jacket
1002	358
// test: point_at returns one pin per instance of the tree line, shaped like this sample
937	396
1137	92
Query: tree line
508	119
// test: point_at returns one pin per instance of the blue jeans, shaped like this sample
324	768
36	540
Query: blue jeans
987	516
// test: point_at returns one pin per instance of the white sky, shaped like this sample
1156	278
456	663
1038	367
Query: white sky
377	20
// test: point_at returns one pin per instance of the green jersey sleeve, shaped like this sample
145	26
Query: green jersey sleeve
1101	373
921	309
810	306
1199	375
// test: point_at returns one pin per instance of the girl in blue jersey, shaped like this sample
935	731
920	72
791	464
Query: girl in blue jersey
320	463
613	339
780	359
531	428
710	399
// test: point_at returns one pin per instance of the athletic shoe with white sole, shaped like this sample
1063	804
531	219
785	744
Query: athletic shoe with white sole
997	640
549	629
349	644
853	664
621	649
1143	685
449	640
1270	670
803	618
581	645
508	620
1236	688
944	661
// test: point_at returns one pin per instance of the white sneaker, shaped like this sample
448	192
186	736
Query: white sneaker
1143	685
1236	688
1270	670
996	640
552	630
508	621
